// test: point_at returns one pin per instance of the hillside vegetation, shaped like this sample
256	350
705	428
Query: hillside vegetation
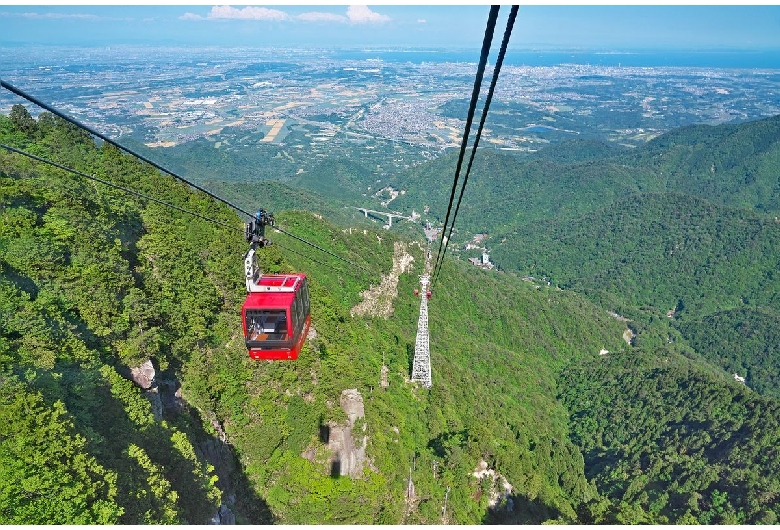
732	165
668	443
684	226
95	282
672	252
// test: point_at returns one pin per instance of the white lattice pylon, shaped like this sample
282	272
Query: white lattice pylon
421	367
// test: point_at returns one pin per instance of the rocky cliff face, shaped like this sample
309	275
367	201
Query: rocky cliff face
346	444
499	487
144	377
351	456
166	397
164	394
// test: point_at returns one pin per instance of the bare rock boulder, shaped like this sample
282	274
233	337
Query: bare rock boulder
143	375
348	446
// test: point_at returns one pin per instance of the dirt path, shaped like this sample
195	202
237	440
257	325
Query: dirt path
378	300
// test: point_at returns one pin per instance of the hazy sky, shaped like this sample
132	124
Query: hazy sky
574	26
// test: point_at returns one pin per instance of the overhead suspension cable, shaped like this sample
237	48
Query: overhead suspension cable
319	248
93	132
105	138
288	249
496	71
116	186
491	24
173	206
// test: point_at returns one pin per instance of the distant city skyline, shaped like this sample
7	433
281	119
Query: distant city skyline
626	27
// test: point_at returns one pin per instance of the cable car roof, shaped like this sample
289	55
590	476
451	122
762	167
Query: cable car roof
269	300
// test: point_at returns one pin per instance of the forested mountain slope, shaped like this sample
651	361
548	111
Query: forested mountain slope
733	165
506	191
686	223
668	443
669	251
92	283
707	251
95	282
730	164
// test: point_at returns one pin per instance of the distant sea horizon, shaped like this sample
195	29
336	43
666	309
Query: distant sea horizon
640	58
750	59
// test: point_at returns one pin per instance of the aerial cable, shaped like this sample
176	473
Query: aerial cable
105	138
288	249
491	24
111	184
496	71
164	203
319	248
75	122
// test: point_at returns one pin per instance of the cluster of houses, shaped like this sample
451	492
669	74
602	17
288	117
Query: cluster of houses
484	261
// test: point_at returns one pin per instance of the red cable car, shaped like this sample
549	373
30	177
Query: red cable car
275	316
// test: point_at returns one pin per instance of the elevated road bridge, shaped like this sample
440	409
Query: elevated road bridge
389	215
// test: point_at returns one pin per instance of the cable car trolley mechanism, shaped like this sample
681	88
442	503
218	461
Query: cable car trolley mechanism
275	315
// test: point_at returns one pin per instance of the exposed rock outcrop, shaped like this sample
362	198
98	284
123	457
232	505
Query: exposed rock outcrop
345	444
164	394
349	456
153	395
143	375
223	516
482	472
170	394
378	300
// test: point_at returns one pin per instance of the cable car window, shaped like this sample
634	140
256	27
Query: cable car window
266	324
300	310
295	314
305	296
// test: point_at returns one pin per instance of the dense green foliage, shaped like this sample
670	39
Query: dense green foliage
670	443
47	476
661	250
734	164
93	281
743	341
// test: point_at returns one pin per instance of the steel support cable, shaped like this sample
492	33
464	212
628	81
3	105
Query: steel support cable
116	186
75	122
491	24
320	248
288	249
496	71
164	203
105	138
